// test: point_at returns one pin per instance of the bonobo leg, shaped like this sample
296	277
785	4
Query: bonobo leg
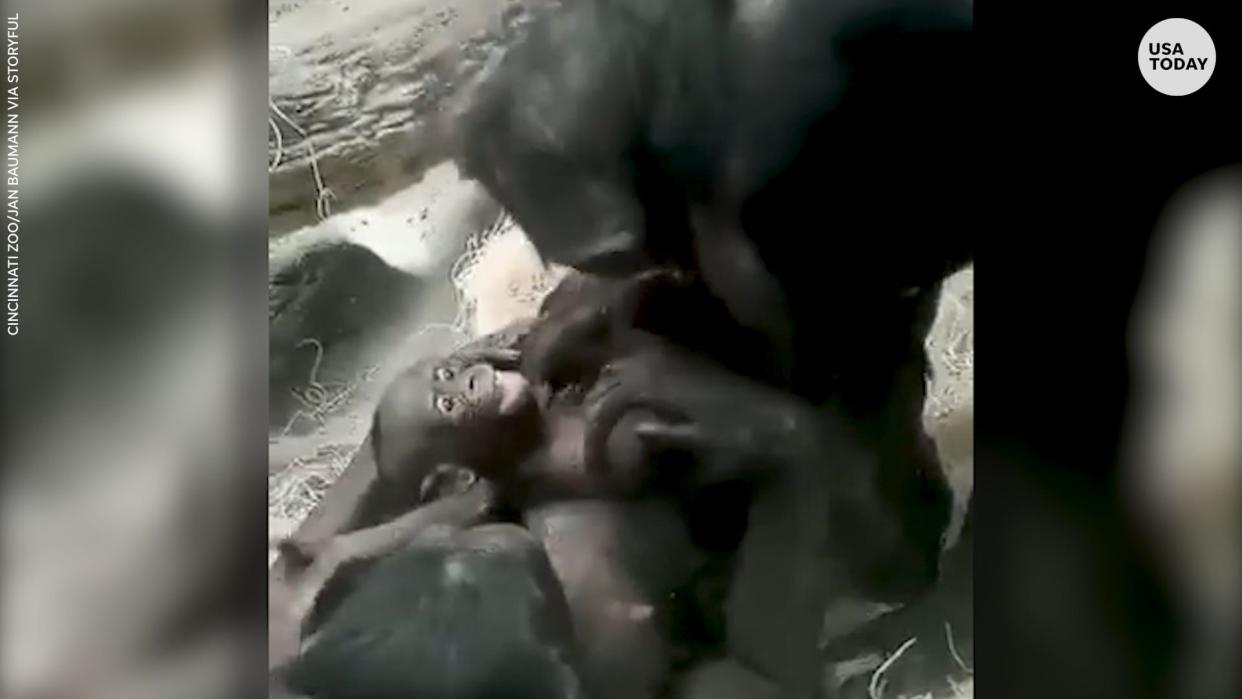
619	563
884	396
793	565
311	564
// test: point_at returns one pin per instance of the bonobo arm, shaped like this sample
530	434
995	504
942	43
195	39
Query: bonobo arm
311	564
733	269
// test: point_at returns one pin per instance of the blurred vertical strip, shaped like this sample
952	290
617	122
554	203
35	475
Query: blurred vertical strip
128	531
1184	445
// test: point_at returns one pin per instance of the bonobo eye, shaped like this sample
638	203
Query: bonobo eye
445	404
442	374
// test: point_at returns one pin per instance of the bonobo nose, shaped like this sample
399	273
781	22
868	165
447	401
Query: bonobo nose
476	383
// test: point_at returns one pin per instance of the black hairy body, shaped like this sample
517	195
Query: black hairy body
821	522
473	613
804	160
804	157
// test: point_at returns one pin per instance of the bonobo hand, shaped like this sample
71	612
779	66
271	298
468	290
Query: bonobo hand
633	292
729	427
582	322
620	409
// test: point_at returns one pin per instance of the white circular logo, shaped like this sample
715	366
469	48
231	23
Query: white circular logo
1177	57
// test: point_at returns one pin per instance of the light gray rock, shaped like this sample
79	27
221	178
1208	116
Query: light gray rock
355	86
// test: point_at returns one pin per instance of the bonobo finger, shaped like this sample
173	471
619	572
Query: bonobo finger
445	480
664	435
650	280
608	381
299	553
500	357
662	276
642	287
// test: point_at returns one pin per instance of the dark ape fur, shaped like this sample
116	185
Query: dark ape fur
596	120
588	320
823	523
629	570
804	156
317	573
471	614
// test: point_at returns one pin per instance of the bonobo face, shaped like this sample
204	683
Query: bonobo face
478	416
452	410
460	394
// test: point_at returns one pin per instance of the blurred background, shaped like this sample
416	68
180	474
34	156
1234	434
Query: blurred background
124	504
135	394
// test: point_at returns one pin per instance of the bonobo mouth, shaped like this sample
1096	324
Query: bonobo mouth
513	390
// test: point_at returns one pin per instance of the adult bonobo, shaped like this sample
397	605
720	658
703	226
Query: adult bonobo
805	158
821	527
589	320
720	135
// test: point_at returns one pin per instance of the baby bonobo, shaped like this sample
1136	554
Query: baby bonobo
446	414
452	410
